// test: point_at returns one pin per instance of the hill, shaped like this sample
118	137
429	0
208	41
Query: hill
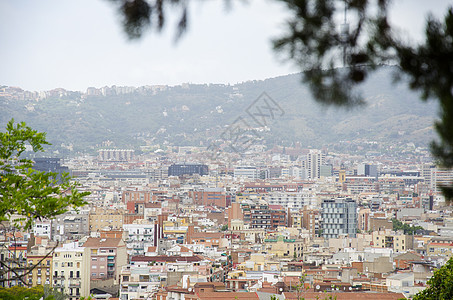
195	114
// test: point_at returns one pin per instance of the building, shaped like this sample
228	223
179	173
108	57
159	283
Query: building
367	170
440	246
311	221
70	226
287	248
108	256
102	219
47	164
71	270
42	228
187	169
278	216
260	215
315	158
339	217
440	178
115	154
41	256
397	241
247	172
211	196
140	237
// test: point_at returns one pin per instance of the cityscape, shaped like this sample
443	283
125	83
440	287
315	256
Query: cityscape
209	150
180	224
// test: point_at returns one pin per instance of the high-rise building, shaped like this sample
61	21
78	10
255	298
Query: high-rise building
339	217
367	170
315	158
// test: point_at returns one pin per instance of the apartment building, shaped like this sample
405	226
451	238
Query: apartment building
108	256
41	256
71	270
339	217
397	241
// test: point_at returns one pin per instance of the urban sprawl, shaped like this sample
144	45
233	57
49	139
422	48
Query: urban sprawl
280	223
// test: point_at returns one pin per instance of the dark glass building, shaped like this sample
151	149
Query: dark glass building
187	169
47	164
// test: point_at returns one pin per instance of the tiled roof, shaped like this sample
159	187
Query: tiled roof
164	258
103	242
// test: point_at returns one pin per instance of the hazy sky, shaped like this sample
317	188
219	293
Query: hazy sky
75	44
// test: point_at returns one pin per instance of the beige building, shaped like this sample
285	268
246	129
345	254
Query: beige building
259	262
71	270
288	248
397	241
41	256
440	246
101	219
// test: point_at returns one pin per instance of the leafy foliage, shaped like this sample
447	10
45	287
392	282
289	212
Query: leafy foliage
34	293
31	194
20	293
410	230
440	286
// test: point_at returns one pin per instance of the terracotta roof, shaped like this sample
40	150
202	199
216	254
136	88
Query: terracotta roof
207	235
184	249
153	205
103	242
164	258
227	295
345	295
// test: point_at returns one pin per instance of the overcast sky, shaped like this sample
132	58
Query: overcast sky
75	44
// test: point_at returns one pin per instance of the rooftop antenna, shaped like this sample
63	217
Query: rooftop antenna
344	34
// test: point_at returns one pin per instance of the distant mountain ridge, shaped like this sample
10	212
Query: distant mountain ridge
196	114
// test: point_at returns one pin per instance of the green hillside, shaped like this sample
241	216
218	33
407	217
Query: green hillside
197	114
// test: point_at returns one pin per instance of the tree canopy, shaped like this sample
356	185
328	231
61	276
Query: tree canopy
406	228
29	194
440	286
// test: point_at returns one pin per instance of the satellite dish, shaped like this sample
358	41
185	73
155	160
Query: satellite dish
318	287
190	289
350	288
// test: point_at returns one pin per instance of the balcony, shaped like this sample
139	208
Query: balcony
74	283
